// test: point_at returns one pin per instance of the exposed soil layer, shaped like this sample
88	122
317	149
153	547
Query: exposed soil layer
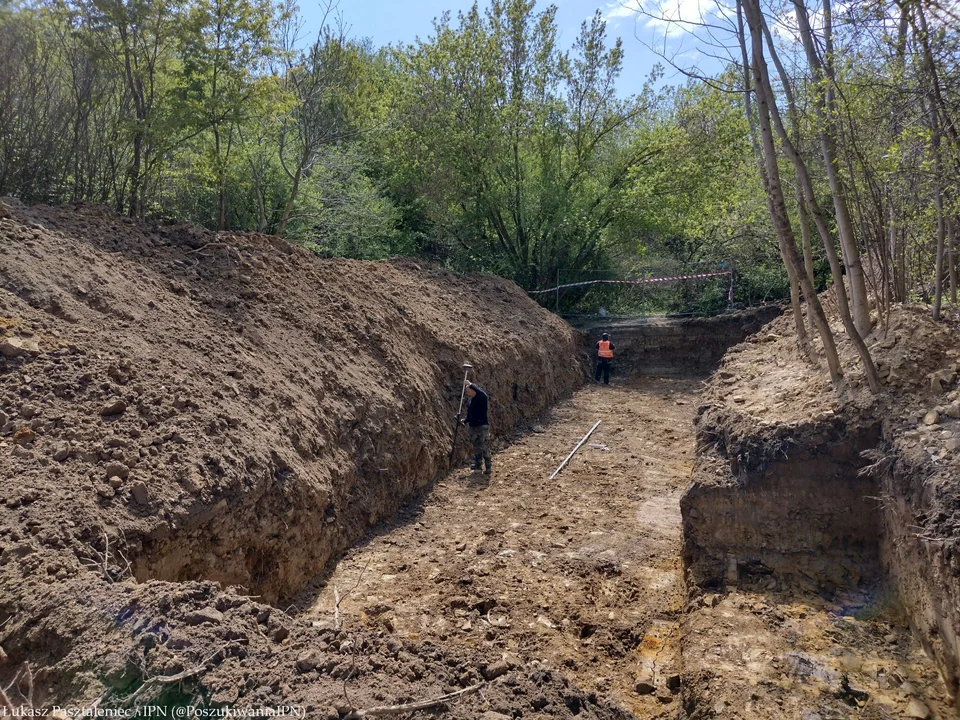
790	506
919	478
193	424
184	405
672	347
578	577
803	491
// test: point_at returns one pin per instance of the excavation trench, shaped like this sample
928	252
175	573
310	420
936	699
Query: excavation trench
817	533
580	574
761	590
347	472
175	416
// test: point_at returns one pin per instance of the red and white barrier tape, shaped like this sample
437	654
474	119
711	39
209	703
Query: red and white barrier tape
645	281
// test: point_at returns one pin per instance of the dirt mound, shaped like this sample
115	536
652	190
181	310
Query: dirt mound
181	405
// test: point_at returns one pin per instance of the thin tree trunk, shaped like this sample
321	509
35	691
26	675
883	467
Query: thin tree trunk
952	255
938	263
775	197
291	199
805	231
851	254
803	177
800	325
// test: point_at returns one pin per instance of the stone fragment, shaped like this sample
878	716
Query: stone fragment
952	444
645	686
28	412
204	616
140	493
495	670
115	482
953	409
61	452
490	715
3	418
114	407
673	683
105	491
931	418
117	469
16	346
308	660
24	436
918	710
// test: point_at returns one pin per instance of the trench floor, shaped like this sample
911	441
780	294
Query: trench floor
581	573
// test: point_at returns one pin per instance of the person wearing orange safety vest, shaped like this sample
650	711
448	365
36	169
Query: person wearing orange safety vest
604	350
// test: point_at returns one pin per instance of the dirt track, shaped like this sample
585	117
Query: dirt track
581	573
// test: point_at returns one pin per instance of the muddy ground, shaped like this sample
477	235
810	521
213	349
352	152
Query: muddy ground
579	575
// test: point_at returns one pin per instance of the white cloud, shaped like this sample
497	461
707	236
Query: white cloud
671	18
617	10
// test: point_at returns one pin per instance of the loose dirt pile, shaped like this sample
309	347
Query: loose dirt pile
182	406
828	516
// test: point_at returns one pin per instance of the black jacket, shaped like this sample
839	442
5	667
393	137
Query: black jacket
477	409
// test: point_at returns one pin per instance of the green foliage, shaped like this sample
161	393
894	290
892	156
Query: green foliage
517	152
487	146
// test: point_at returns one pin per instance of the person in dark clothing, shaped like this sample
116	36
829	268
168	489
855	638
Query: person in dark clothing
479	427
604	350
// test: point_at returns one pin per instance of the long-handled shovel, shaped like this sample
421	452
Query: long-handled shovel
467	367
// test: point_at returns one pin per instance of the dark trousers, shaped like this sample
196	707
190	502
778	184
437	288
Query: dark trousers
603	365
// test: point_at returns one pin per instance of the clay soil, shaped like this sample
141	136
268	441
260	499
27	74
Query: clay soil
578	577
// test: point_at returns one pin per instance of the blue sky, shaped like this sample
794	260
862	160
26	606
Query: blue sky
391	21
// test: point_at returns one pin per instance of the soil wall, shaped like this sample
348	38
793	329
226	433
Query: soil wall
791	507
921	548
798	483
184	405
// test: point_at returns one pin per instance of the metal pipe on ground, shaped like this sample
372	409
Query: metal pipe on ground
572	452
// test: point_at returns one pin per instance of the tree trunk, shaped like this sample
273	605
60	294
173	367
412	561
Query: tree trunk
938	264
804	182
952	255
851	253
805	231
775	197
291	199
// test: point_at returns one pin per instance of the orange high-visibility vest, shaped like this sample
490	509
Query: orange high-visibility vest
604	350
